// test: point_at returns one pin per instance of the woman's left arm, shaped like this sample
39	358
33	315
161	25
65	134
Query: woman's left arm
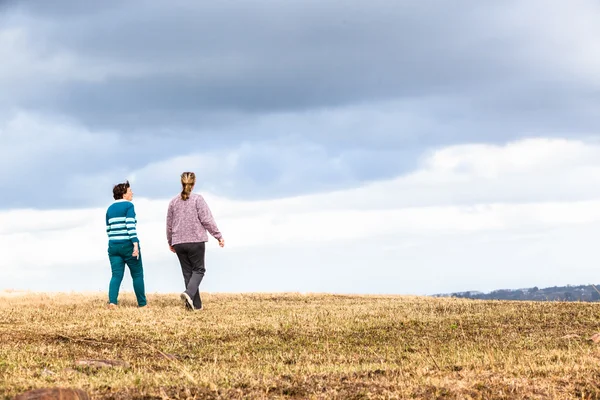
206	219
131	223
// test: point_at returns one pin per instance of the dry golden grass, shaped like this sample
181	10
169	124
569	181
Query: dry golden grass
295	346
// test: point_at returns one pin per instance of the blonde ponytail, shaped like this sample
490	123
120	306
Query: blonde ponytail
188	180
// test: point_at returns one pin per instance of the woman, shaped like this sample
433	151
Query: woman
188	220
123	245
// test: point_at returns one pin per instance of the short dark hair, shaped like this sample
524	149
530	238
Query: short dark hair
120	189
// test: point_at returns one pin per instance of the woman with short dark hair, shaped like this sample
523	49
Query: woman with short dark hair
123	245
188	220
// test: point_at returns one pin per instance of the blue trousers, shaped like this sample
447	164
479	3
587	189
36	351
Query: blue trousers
119	254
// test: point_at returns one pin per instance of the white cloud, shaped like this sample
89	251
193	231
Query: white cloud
533	170
550	28
373	239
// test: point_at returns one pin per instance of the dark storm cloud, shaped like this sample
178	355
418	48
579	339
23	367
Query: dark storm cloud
254	57
308	95
185	64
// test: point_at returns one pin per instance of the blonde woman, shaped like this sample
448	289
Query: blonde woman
188	220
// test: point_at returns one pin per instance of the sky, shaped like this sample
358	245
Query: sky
380	147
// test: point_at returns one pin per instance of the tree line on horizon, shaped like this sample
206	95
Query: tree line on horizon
586	293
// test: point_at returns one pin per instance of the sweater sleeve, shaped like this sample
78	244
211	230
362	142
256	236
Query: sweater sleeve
131	222
170	224
206	218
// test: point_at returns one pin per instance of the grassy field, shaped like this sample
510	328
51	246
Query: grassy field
295	346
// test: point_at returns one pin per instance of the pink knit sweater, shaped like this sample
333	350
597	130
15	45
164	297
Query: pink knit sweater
188	221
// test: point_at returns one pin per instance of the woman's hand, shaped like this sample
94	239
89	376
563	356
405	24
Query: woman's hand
172	249
136	251
222	242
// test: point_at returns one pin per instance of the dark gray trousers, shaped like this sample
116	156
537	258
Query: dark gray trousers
191	258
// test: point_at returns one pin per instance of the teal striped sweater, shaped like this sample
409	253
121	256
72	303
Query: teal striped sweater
121	222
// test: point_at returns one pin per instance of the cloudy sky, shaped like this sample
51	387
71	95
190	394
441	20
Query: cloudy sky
406	147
